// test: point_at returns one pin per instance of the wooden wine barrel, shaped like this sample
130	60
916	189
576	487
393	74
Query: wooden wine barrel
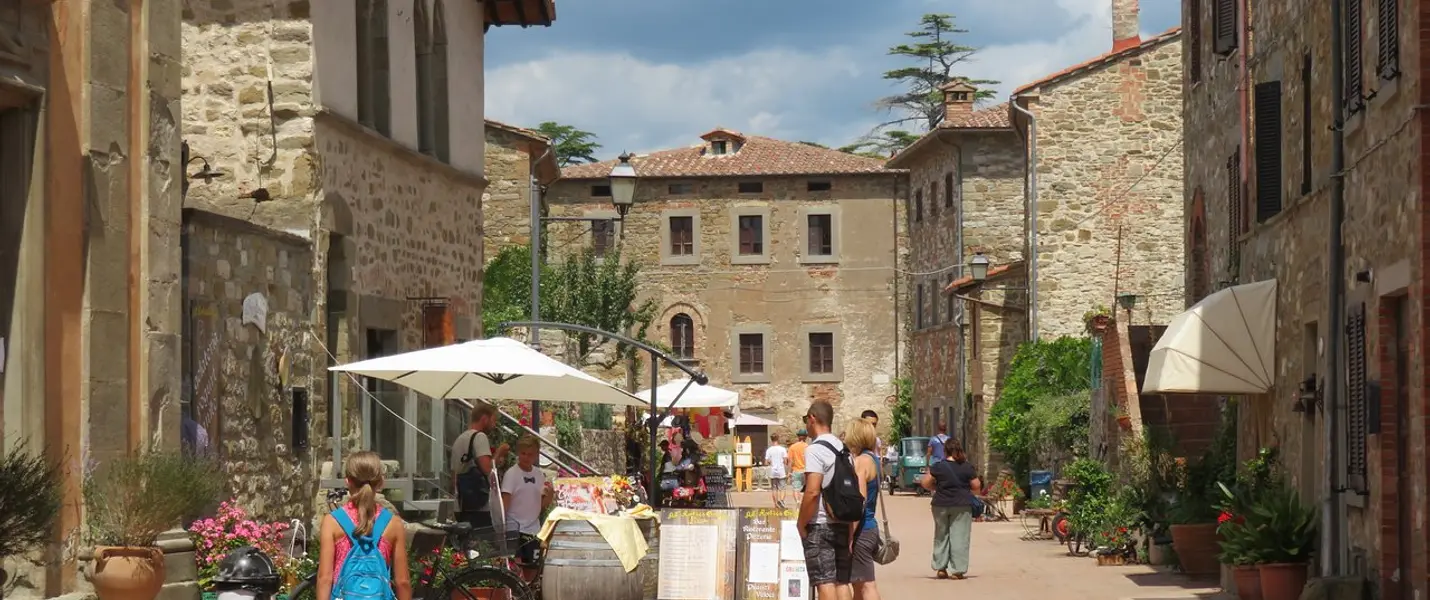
580	565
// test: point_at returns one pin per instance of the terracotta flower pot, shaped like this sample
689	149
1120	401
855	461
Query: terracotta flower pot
1197	547
1283	581
1125	422
1115	559
1248	582
128	573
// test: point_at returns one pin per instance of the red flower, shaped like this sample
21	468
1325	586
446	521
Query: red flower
428	572
1223	517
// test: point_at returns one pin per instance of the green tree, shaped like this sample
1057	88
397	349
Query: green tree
901	421
936	56
882	144
1041	371
572	146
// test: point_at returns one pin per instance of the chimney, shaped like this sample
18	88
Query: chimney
957	100
1126	24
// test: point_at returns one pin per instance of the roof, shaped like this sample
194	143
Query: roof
520	12
757	156
530	134
993	118
965	282
723	132
1115	55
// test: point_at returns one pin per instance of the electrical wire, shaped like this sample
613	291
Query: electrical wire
1126	192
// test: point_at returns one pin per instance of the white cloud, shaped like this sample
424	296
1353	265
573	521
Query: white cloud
822	95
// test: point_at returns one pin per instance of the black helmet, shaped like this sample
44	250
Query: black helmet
247	568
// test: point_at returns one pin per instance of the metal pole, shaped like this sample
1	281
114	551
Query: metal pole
1032	196
1333	554
654	425
535	331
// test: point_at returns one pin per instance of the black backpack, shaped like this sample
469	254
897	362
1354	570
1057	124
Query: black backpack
473	486
843	498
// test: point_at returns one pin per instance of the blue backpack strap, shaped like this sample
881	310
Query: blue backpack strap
379	524
346	522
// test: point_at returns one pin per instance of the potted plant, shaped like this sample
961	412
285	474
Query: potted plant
231	528
1285	538
29	503
1005	492
1194	531
1239	549
129	502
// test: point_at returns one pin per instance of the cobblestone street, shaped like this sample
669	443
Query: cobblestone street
1004	566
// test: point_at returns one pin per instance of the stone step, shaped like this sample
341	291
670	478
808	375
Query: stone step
187	590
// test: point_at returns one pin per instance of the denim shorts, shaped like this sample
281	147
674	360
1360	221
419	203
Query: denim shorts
827	556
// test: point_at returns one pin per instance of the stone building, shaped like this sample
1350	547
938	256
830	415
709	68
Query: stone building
514	157
1260	114
359	127
966	181
89	256
773	264
1100	158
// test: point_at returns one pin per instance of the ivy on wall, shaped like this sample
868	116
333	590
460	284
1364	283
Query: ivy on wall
1044	393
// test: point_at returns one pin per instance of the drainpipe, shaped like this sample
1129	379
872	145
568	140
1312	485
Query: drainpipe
138	212
1333	558
897	277
535	217
1032	201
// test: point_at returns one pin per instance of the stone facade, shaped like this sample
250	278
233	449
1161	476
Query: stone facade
1109	173
239	368
89	248
513	155
394	223
783	295
1241	230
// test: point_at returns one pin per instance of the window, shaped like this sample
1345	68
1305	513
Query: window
821	352
950	299
948	190
682	336
919	308
682	236
918	206
1199	254
603	236
601	191
374	101
1194	40
933	198
1388	26
752	353
751	187
1237	225
821	235
679	189
1354	62
720	147
421	40
441	94
1306	130
818	186
752	235
1357	431
1224	22
1268	150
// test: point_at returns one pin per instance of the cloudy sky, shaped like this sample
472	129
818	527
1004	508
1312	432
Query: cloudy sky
651	74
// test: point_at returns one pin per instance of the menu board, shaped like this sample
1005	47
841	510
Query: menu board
689	570
771	555
585	494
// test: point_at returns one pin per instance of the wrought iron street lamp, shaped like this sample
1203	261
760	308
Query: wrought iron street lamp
623	185
978	267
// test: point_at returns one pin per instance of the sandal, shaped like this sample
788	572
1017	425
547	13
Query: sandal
941	574
957	575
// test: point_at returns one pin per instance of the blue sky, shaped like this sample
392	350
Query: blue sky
650	74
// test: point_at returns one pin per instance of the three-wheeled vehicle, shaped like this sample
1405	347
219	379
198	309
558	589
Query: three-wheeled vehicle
910	466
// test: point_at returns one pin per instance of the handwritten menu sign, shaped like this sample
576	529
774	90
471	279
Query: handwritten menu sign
770	553
697	554
585	494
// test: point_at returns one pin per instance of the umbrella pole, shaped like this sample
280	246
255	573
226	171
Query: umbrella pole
654	490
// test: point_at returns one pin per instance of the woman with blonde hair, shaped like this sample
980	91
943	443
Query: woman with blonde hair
861	439
363	546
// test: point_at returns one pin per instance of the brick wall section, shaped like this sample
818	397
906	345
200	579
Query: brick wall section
857	296
236	391
1384	192
1110	160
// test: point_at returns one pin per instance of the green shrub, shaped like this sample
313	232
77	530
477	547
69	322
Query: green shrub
130	501
1039	370
29	500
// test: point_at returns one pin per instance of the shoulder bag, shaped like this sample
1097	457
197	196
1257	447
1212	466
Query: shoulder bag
888	550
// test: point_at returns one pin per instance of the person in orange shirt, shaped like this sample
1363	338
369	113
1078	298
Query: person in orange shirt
796	460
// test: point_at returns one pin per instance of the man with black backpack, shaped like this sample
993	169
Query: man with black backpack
473	464
833	504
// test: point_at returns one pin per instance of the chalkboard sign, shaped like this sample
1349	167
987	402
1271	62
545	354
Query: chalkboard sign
697	554
768	544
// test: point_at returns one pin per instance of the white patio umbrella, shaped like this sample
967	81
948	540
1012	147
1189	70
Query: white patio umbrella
491	369
695	396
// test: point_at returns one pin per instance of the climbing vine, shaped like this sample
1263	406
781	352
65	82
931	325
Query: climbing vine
901	419
1050	372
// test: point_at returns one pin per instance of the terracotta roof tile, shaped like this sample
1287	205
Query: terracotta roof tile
966	281
1101	60
993	117
757	156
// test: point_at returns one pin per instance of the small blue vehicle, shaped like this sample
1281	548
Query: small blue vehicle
910	466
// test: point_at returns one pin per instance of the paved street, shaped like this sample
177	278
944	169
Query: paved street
1004	566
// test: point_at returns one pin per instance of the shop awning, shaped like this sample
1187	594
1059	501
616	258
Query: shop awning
1225	344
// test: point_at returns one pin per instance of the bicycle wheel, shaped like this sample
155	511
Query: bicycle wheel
462	585
305	590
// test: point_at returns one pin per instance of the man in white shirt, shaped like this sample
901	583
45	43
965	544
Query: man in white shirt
526	494
777	458
827	554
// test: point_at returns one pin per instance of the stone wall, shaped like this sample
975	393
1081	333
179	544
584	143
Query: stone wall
507	203
855	298
238	366
1384	235
998	325
1109	184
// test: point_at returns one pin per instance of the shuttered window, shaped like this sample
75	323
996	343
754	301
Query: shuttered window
1306	123
919	308
1194	39
1357	405
1388	28
1354	61
1235	223
918	206
1224	26
948	190
1268	150
933	198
